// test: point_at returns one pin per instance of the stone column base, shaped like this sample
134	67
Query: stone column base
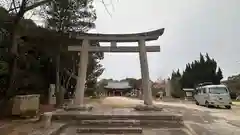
78	108
148	108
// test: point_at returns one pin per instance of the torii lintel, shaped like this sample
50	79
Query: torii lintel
133	37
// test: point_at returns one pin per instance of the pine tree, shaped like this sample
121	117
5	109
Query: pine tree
178	74
73	16
202	60
70	15
204	70
219	75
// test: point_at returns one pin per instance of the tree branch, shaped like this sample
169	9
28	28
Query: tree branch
14	5
32	6
105	6
70	74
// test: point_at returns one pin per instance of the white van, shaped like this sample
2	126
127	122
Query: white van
213	95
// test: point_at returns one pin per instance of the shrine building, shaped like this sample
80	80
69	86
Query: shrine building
118	88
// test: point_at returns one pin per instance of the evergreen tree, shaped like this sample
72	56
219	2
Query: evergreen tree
219	75
202	70
202	60
73	16
70	15
178	73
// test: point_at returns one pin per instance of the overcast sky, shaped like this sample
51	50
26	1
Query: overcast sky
191	27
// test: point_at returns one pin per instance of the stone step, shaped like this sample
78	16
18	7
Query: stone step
131	123
70	117
117	130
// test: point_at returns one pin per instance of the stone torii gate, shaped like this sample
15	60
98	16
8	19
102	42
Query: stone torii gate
142	49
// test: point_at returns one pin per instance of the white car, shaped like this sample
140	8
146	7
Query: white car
213	95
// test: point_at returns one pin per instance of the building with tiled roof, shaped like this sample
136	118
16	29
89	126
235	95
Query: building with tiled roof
118	88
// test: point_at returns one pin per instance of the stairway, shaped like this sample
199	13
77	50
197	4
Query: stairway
117	130
118	123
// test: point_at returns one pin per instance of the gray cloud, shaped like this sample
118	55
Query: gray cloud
192	26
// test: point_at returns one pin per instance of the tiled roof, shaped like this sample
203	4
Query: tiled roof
118	85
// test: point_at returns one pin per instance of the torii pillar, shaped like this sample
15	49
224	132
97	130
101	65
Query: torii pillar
82	73
147	92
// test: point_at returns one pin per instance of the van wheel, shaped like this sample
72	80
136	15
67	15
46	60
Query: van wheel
207	104
197	103
228	106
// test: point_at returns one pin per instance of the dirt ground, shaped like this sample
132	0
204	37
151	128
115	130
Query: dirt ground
198	119
209	121
21	126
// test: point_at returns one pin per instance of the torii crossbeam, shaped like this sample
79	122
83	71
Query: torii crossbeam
140	38
120	49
